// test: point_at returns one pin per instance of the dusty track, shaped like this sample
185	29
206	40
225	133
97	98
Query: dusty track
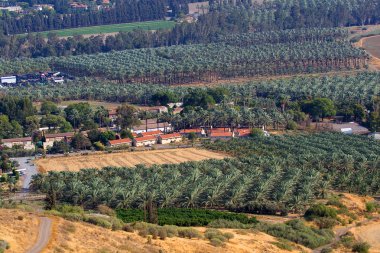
43	235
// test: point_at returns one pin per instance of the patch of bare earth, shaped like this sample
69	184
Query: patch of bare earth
125	159
87	238
369	233
372	46
19	229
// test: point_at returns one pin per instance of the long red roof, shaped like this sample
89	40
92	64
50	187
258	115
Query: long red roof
146	138
169	136
120	141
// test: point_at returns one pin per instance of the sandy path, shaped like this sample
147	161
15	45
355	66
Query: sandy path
43	236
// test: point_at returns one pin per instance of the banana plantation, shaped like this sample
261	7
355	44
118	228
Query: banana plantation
266	175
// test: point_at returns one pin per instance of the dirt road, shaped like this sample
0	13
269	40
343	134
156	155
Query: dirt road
43	236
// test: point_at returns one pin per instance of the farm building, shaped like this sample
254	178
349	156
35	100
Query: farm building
245	132
164	127
144	141
8	80
221	135
350	128
121	142
198	131
51	138
169	138
25	143
154	133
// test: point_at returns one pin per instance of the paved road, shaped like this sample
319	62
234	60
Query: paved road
26	163
43	236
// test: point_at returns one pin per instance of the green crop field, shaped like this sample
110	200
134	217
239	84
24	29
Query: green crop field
126	27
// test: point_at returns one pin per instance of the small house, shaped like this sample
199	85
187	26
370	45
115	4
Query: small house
221	135
25	143
169	138
121	142
144	141
154	133
51	138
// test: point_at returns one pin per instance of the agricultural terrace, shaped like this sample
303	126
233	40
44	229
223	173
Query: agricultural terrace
104	29
125	159
275	174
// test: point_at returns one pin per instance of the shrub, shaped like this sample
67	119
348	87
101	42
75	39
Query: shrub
72	216
296	231
324	222
347	240
256	132
20	217
327	250
162	233
103	209
70	209
128	228
228	236
117	224
371	207
189	233
153	232
361	247
320	210
171	231
292	125
283	244
221	223
98	221
3	246
334	201
216	242
143	232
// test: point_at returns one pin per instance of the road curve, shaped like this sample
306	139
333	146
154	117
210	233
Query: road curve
43	236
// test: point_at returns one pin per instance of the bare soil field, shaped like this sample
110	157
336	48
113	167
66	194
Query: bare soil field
369	233
372	45
82	237
125	159
19	229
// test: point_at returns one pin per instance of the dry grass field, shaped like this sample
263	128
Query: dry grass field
125	159
372	45
19	229
86	238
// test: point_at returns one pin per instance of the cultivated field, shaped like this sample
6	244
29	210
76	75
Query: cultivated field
123	159
103	29
372	45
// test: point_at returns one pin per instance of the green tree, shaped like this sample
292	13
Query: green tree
319	108
48	107
127	116
32	124
79	141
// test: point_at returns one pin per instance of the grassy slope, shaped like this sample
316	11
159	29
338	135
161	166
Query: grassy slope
148	25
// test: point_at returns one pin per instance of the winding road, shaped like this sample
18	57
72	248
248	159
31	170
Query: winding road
43	235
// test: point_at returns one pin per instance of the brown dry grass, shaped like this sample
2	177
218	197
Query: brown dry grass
372	46
125	159
369	233
20	234
87	238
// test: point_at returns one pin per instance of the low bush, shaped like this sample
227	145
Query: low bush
3	246
371	207
348	240
320	210
184	217
361	247
128	228
103	209
296	231
72	216
98	221
324	222
334	201
327	250
189	233
216	237
70	209
162	233
283	244
220	223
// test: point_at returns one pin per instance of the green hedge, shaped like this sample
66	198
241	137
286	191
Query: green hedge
183	216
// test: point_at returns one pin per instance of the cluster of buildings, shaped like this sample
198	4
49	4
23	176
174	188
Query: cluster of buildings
41	77
147	139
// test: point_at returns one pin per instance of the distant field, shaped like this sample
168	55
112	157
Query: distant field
372	45
125	159
126	27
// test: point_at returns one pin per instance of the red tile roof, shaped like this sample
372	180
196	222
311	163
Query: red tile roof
221	134
120	141
170	136
151	133
220	130
17	139
193	130
146	138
